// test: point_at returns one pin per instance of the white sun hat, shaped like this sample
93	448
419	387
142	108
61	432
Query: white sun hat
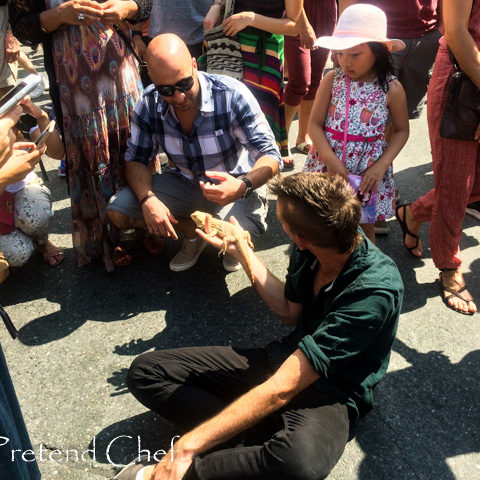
360	23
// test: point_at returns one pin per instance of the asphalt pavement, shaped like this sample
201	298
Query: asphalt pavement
81	328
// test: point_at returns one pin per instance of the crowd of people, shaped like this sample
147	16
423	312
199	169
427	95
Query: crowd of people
266	412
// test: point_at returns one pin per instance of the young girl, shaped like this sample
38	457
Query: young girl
352	107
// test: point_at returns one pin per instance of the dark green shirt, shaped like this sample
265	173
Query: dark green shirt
348	329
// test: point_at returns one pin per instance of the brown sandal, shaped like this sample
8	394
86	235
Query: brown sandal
121	258
4	268
453	293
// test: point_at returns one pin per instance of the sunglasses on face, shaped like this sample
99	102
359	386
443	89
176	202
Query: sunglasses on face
183	86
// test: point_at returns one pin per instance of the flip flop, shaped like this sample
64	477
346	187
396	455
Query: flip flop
303	147
453	293
288	163
405	230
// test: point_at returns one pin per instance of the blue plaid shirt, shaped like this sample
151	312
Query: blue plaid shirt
229	134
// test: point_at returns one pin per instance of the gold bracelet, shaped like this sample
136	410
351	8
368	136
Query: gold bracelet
44	30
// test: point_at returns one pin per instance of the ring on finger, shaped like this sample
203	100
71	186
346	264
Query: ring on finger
81	17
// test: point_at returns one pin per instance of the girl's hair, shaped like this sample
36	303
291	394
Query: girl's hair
383	63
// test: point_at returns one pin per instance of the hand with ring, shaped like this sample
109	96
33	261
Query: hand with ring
79	12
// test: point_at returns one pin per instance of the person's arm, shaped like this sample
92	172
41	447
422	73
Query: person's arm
19	164
67	14
456	15
316	123
305	31
251	128
293	376
269	287
440	25
141	148
397	104
55	147
281	26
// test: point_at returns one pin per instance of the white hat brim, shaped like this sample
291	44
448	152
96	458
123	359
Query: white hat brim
342	43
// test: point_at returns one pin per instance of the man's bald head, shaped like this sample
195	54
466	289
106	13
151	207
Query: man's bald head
168	59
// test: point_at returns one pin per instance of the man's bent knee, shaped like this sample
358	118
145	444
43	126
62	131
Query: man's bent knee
120	220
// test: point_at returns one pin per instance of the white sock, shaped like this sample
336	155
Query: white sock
140	474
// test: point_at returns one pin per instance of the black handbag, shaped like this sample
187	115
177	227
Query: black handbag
224	55
461	113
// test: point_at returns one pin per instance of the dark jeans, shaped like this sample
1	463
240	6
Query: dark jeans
188	385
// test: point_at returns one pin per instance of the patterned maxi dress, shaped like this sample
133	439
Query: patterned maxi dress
368	113
98	86
94	85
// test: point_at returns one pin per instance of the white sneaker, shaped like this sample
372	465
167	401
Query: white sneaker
188	255
231	264
38	90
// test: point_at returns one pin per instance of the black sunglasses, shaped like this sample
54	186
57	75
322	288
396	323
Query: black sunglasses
183	86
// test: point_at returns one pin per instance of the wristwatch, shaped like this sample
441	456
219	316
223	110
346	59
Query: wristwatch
249	190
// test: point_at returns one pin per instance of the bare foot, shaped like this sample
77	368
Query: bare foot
51	254
454	292
414	227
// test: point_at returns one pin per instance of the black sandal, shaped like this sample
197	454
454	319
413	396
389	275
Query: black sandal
405	230
453	293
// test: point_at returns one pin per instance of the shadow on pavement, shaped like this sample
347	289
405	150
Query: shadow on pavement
438	401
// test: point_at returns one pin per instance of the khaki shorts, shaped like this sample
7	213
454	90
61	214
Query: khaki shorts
183	196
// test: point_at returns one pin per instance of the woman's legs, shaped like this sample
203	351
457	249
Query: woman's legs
457	182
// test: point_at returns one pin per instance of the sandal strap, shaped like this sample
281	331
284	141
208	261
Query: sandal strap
453	292
403	224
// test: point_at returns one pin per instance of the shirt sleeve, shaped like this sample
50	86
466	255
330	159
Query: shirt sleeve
251	127
349	329
141	145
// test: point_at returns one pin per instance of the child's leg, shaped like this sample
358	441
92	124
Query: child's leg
369	230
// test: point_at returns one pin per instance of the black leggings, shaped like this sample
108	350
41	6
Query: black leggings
188	385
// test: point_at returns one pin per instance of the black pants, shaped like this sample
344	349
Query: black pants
188	385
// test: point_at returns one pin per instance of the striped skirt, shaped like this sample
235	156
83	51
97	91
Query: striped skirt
263	74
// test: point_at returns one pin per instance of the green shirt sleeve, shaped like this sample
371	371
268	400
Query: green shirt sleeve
351	330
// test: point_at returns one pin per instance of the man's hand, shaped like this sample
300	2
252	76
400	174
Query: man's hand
174	465
216	241
227	191
12	47
158	218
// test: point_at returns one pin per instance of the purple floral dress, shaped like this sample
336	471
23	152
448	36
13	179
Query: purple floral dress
367	116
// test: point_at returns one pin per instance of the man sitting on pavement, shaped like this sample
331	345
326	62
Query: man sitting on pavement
285	411
216	137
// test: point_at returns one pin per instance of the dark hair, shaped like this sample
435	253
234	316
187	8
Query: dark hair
321	208
383	63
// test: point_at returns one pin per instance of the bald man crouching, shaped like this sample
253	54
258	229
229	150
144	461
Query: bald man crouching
218	141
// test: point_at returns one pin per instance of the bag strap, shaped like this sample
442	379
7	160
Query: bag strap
345	128
128	44
229	8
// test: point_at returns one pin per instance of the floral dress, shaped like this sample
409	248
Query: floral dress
367	116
